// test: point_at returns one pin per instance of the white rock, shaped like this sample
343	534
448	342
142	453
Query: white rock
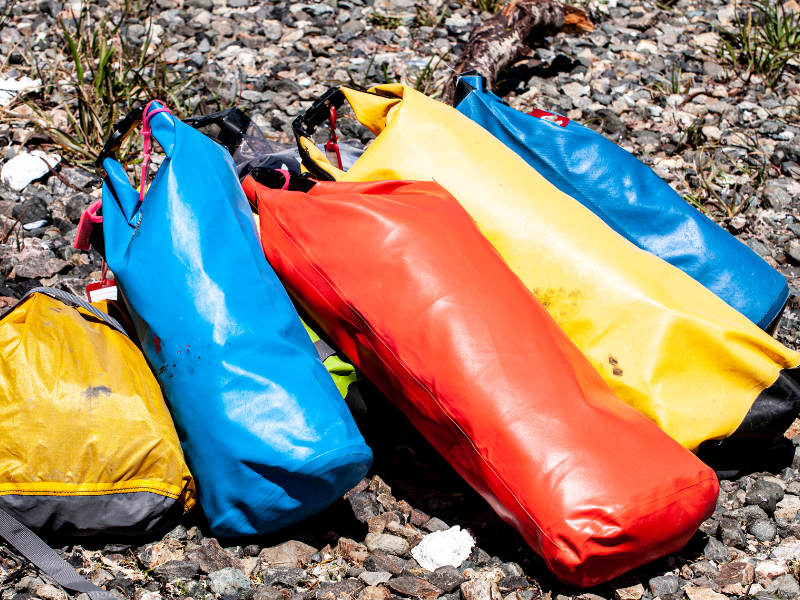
451	547
26	167
575	89
786	551
11	87
703	593
788	508
767	570
375	578
50	592
712	132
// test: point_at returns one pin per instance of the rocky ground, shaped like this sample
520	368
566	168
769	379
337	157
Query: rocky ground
649	77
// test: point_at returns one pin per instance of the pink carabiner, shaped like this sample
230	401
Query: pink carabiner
146	116
286	176
92	210
88	218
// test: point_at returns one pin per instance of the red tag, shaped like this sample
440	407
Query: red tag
548	116
88	218
102	290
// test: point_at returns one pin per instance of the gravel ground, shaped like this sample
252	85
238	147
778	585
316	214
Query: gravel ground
649	78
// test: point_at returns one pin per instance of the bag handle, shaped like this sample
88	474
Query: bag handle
40	554
306	123
69	300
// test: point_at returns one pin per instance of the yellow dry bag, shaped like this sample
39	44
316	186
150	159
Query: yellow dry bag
665	344
86	442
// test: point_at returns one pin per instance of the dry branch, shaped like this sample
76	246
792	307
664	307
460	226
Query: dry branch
504	38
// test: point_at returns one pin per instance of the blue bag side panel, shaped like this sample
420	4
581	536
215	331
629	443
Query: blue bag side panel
637	204
266	434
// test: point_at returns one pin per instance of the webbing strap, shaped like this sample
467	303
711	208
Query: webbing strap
41	555
70	300
324	350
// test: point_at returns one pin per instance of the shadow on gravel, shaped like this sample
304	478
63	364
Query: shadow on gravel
419	475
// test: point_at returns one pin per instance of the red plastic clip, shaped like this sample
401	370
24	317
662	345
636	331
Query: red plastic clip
332	145
88	218
105	289
548	116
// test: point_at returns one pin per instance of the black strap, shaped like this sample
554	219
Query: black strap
121	131
41	555
306	123
232	124
69	300
324	350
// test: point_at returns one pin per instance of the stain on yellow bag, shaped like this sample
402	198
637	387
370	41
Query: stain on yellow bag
665	344
86	441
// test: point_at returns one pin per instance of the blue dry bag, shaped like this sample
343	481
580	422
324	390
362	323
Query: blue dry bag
265	432
632	200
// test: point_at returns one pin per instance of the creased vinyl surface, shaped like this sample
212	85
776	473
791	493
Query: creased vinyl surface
426	308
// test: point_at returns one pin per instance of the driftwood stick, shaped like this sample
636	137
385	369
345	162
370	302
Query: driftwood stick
504	38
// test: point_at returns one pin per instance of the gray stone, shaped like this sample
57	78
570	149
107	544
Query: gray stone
251	550
273	31
391	544
784	586
267	592
212	557
511	583
730	534
667	584
757	247
765	495
716	551
612	122
414	588
479	557
341	590
230	582
374	578
776	197
710	527
289	554
792	250
353	26
713	70
178	569
33	210
435	524
747	515
763	530
790	169
380	561
446	578
511	569
284	576
364	505
204	4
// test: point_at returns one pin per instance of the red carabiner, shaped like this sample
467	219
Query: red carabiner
332	145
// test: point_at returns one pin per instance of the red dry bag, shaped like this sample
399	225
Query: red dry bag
422	303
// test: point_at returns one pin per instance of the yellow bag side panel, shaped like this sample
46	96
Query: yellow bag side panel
81	410
665	344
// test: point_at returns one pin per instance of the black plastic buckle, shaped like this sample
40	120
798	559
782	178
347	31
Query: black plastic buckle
232	124
121	131
306	123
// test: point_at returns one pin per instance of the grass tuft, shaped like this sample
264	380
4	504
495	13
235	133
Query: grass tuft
763	43
96	80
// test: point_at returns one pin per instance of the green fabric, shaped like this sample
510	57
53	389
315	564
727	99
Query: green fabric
342	373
